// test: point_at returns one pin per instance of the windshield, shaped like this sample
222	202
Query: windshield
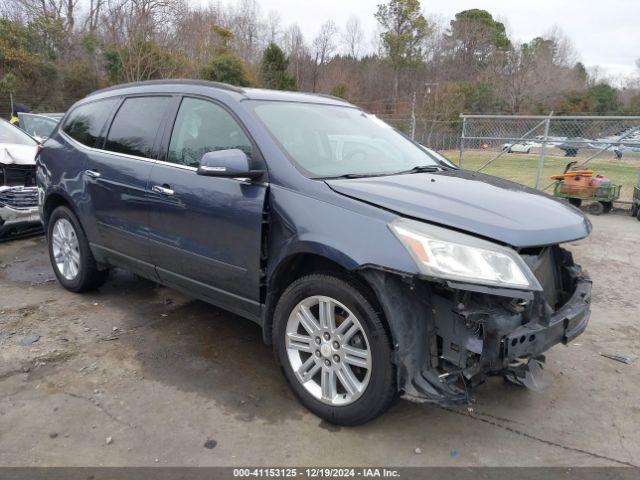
438	156
334	141
37	125
11	134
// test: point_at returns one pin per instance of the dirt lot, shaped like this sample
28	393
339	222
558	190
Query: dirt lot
136	374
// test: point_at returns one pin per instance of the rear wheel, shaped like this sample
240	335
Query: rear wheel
607	206
634	210
596	208
70	255
334	350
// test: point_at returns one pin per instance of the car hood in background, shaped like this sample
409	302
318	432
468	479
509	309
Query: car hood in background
12	154
473	202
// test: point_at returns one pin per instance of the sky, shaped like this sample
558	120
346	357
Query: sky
605	33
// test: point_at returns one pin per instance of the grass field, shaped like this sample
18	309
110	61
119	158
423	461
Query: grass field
523	168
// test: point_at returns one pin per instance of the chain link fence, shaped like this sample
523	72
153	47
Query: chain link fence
530	149
437	134
525	149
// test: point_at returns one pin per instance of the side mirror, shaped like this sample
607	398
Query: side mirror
232	163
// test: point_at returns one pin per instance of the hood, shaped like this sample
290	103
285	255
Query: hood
487	206
12	154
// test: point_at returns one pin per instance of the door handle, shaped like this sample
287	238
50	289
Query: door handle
92	173
162	190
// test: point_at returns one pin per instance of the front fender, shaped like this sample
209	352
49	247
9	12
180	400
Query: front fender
347	232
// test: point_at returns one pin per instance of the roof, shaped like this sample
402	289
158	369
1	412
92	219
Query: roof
176	81
249	93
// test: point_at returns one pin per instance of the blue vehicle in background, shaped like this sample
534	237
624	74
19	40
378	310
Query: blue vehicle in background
374	267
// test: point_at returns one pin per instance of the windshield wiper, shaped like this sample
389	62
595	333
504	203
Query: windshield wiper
422	169
356	175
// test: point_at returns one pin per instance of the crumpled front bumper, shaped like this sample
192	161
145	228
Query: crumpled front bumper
449	338
18	210
535	338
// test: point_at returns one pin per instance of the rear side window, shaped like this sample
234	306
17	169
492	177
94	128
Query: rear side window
85	123
135	126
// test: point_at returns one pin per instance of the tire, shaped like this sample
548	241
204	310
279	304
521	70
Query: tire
638	214
607	206
81	272
634	210
576	202
596	208
347	299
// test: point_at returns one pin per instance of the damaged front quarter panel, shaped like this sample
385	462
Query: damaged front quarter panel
450	336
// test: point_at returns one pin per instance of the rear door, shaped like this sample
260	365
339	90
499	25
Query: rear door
117	176
206	232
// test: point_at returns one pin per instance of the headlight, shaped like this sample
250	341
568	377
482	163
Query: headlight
447	254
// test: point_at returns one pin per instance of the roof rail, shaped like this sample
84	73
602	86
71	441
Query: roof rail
326	95
173	81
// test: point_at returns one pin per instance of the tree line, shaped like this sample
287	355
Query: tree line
53	52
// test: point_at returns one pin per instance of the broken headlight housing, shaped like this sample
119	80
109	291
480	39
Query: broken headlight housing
447	254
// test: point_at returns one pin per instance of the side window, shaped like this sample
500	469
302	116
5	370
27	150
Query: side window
136	125
202	126
85	123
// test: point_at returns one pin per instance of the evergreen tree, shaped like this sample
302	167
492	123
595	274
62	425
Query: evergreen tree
226	68
273	69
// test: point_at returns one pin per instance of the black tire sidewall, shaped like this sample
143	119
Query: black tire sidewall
381	388
596	208
78	283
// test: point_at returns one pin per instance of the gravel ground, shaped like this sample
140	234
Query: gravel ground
135	374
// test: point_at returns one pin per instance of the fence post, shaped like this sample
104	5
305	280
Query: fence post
413	116
544	144
464	125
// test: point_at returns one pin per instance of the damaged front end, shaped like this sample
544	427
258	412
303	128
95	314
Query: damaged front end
451	335
18	200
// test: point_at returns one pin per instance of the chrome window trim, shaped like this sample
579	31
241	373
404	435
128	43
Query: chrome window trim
125	155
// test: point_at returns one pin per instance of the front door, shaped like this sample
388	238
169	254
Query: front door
206	232
117	176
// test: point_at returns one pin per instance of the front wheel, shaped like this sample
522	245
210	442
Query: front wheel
334	349
70	255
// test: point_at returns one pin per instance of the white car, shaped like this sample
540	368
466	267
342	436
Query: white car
522	147
18	192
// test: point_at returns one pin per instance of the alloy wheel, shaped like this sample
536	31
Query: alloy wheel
65	247
328	350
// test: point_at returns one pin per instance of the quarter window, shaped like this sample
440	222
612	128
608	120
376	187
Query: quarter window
202	126
86	122
136	125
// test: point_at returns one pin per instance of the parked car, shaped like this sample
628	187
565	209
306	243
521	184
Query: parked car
18	192
39	125
378	271
522	147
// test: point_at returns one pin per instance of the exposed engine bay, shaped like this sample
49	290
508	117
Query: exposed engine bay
18	192
450	336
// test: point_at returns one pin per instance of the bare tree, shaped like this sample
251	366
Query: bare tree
322	48
273	28
93	15
296	50
353	37
245	25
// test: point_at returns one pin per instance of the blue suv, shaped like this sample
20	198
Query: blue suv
374	266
